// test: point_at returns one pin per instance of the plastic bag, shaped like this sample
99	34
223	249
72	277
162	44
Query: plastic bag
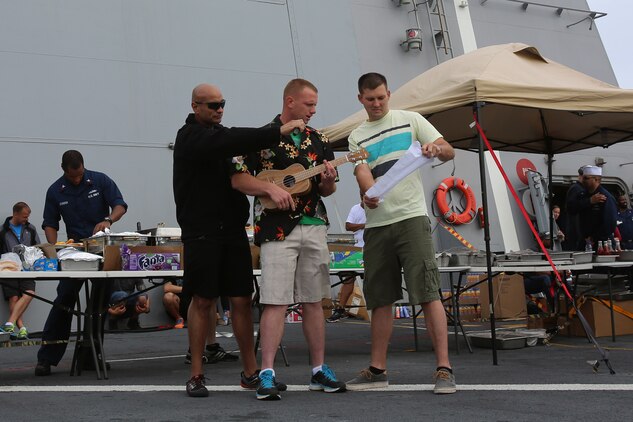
28	255
12	256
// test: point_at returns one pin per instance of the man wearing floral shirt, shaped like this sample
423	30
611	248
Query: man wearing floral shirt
293	238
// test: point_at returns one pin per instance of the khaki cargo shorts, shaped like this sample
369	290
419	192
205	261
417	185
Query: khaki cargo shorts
297	269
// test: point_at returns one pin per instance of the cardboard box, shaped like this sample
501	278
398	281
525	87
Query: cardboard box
340	247
112	255
599	318
328	306
45	264
345	256
48	249
293	315
151	262
347	259
356	304
509	295
535	322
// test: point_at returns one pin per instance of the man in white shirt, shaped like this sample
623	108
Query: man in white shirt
355	223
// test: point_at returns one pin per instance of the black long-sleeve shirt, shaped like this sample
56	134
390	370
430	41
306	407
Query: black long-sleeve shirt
205	201
600	220
576	201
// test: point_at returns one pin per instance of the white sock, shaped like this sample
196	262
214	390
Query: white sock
268	369
316	369
9	324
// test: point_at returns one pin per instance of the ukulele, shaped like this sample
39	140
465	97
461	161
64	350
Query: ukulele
295	179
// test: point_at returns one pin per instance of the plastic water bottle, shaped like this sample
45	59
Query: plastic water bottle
588	247
618	248
405	312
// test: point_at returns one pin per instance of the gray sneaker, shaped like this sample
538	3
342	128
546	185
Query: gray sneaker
367	380
444	382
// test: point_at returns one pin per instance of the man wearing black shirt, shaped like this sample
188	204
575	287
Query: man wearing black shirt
212	217
599	221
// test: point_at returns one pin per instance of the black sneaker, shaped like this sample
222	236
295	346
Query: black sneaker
196	387
42	369
267	389
338	315
252	382
214	353
325	380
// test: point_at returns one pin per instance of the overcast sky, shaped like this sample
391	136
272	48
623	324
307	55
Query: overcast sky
615	31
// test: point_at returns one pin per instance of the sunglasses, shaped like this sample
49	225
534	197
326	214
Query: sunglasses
214	105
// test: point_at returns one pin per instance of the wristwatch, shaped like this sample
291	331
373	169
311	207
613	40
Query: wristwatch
108	219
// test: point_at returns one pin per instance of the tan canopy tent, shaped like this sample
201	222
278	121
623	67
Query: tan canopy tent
524	103
527	103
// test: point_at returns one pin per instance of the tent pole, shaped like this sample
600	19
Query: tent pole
484	198
552	235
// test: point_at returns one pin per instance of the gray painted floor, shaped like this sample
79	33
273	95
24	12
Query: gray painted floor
552	382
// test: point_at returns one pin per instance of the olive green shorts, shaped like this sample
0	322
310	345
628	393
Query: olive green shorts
402	248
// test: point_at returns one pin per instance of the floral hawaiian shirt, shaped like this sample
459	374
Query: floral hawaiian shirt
312	150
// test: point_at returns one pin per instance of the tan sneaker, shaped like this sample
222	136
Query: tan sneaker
367	380
444	382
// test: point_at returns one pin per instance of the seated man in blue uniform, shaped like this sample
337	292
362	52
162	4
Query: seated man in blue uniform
89	202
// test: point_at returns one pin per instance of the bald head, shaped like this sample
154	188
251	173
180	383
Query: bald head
202	91
207	103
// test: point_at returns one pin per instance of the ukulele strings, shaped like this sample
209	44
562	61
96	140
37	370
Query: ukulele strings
301	174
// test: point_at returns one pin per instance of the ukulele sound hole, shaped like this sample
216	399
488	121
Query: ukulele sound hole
289	181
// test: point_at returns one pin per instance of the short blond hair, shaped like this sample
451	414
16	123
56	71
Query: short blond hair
297	85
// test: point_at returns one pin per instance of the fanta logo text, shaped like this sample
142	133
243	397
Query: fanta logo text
147	262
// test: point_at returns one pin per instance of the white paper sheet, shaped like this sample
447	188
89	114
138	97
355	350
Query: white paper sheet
407	164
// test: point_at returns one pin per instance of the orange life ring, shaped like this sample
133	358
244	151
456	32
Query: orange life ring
452	217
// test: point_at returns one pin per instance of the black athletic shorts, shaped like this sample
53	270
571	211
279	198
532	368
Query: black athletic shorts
10	286
218	266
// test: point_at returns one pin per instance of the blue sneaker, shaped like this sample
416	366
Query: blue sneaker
252	382
267	389
325	380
